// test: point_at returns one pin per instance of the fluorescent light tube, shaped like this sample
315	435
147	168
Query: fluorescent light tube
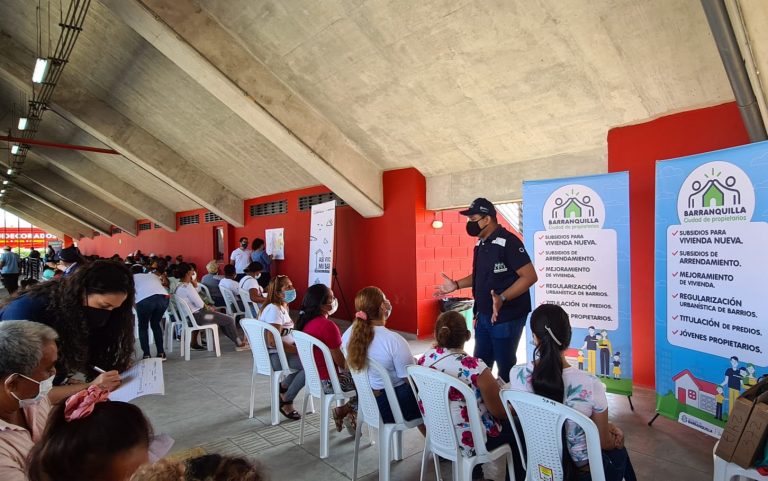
10	171
15	149
22	123
5	182
41	70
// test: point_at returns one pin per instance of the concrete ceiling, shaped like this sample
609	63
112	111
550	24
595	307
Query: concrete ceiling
211	102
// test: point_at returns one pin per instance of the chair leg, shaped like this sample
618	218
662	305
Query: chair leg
397	445
325	414
424	454
358	434
215	331
187	343
303	418
208	336
466	470
385	452
274	393
253	391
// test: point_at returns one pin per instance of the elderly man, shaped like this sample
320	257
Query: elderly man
28	355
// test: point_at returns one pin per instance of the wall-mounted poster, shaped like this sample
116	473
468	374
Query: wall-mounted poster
275	240
321	243
711	303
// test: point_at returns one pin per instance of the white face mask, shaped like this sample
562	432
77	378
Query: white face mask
334	306
45	387
194	275
256	276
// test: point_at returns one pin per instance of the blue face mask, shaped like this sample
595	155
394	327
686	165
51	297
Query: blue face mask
289	296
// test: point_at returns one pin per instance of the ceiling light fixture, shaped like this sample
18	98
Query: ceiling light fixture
15	149
5	182
41	70
10	171
23	123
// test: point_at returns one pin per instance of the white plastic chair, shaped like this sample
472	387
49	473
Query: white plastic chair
245	296
190	325
205	290
542	420
390	434
726	471
314	387
431	387
169	326
255	331
230	304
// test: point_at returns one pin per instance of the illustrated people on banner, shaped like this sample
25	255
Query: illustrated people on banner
605	347
590	344
580	360
719	398
617	365
732	380
750	379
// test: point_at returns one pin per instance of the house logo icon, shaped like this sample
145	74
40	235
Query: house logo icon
574	206
716	192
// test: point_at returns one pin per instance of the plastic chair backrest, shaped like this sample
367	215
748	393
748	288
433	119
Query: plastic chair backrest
256	331
184	311
305	344
248	304
431	387
205	290
542	420
230	302
367	401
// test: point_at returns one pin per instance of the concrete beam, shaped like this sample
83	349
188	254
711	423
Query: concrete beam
218	61
117	131
56	184
505	183
105	230
41	224
109	185
49	216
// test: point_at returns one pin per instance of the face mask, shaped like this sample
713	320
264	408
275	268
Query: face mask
334	306
387	312
244	245
44	388
256	276
97	317
473	228
194	275
47	274
289	296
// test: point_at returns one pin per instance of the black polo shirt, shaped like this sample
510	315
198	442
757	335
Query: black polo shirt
495	265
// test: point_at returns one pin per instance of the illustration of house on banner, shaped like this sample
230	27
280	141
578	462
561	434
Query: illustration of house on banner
695	392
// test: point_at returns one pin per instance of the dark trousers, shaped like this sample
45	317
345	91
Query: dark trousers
498	342
150	313
409	407
605	361
506	436
11	282
616	465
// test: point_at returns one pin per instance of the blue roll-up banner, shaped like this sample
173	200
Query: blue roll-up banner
711	297
578	232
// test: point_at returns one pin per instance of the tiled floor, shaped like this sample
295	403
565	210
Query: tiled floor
206	404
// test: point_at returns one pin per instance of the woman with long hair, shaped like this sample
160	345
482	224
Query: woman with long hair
280	293
90	437
551	376
317	306
369	338
91	310
448	356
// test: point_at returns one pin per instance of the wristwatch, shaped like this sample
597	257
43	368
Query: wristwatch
503	299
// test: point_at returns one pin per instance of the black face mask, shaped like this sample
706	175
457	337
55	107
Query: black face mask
97	317
244	245
473	228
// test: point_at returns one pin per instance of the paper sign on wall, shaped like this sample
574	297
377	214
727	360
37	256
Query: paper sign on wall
275	240
321	243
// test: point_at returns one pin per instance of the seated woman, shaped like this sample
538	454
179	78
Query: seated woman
280	293
211	281
90	437
318	304
551	376
369	338
250	284
203	316
448	356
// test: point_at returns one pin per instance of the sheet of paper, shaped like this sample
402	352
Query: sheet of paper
145	377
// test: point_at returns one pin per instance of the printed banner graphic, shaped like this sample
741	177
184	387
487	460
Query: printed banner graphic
579	230
711	305
321	243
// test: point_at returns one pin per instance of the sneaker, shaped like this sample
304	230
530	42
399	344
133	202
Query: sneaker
163	356
146	356
244	347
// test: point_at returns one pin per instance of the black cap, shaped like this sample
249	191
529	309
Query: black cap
70	254
480	206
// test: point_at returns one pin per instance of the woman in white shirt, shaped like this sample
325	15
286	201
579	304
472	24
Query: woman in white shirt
369	338
551	376
250	284
280	293
151	304
187	291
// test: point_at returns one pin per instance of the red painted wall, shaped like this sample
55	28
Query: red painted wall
636	148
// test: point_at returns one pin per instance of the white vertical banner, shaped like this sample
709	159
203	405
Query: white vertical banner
321	243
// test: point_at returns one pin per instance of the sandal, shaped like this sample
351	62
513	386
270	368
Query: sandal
290	415
338	418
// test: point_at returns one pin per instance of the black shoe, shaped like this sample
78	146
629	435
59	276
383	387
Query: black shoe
146	356
197	347
163	356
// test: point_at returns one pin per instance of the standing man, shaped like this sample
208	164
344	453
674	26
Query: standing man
732	381
590	344
241	257
9	269
501	276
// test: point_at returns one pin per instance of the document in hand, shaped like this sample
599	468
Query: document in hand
145	377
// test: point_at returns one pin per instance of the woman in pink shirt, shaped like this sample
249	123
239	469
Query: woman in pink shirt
317	306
